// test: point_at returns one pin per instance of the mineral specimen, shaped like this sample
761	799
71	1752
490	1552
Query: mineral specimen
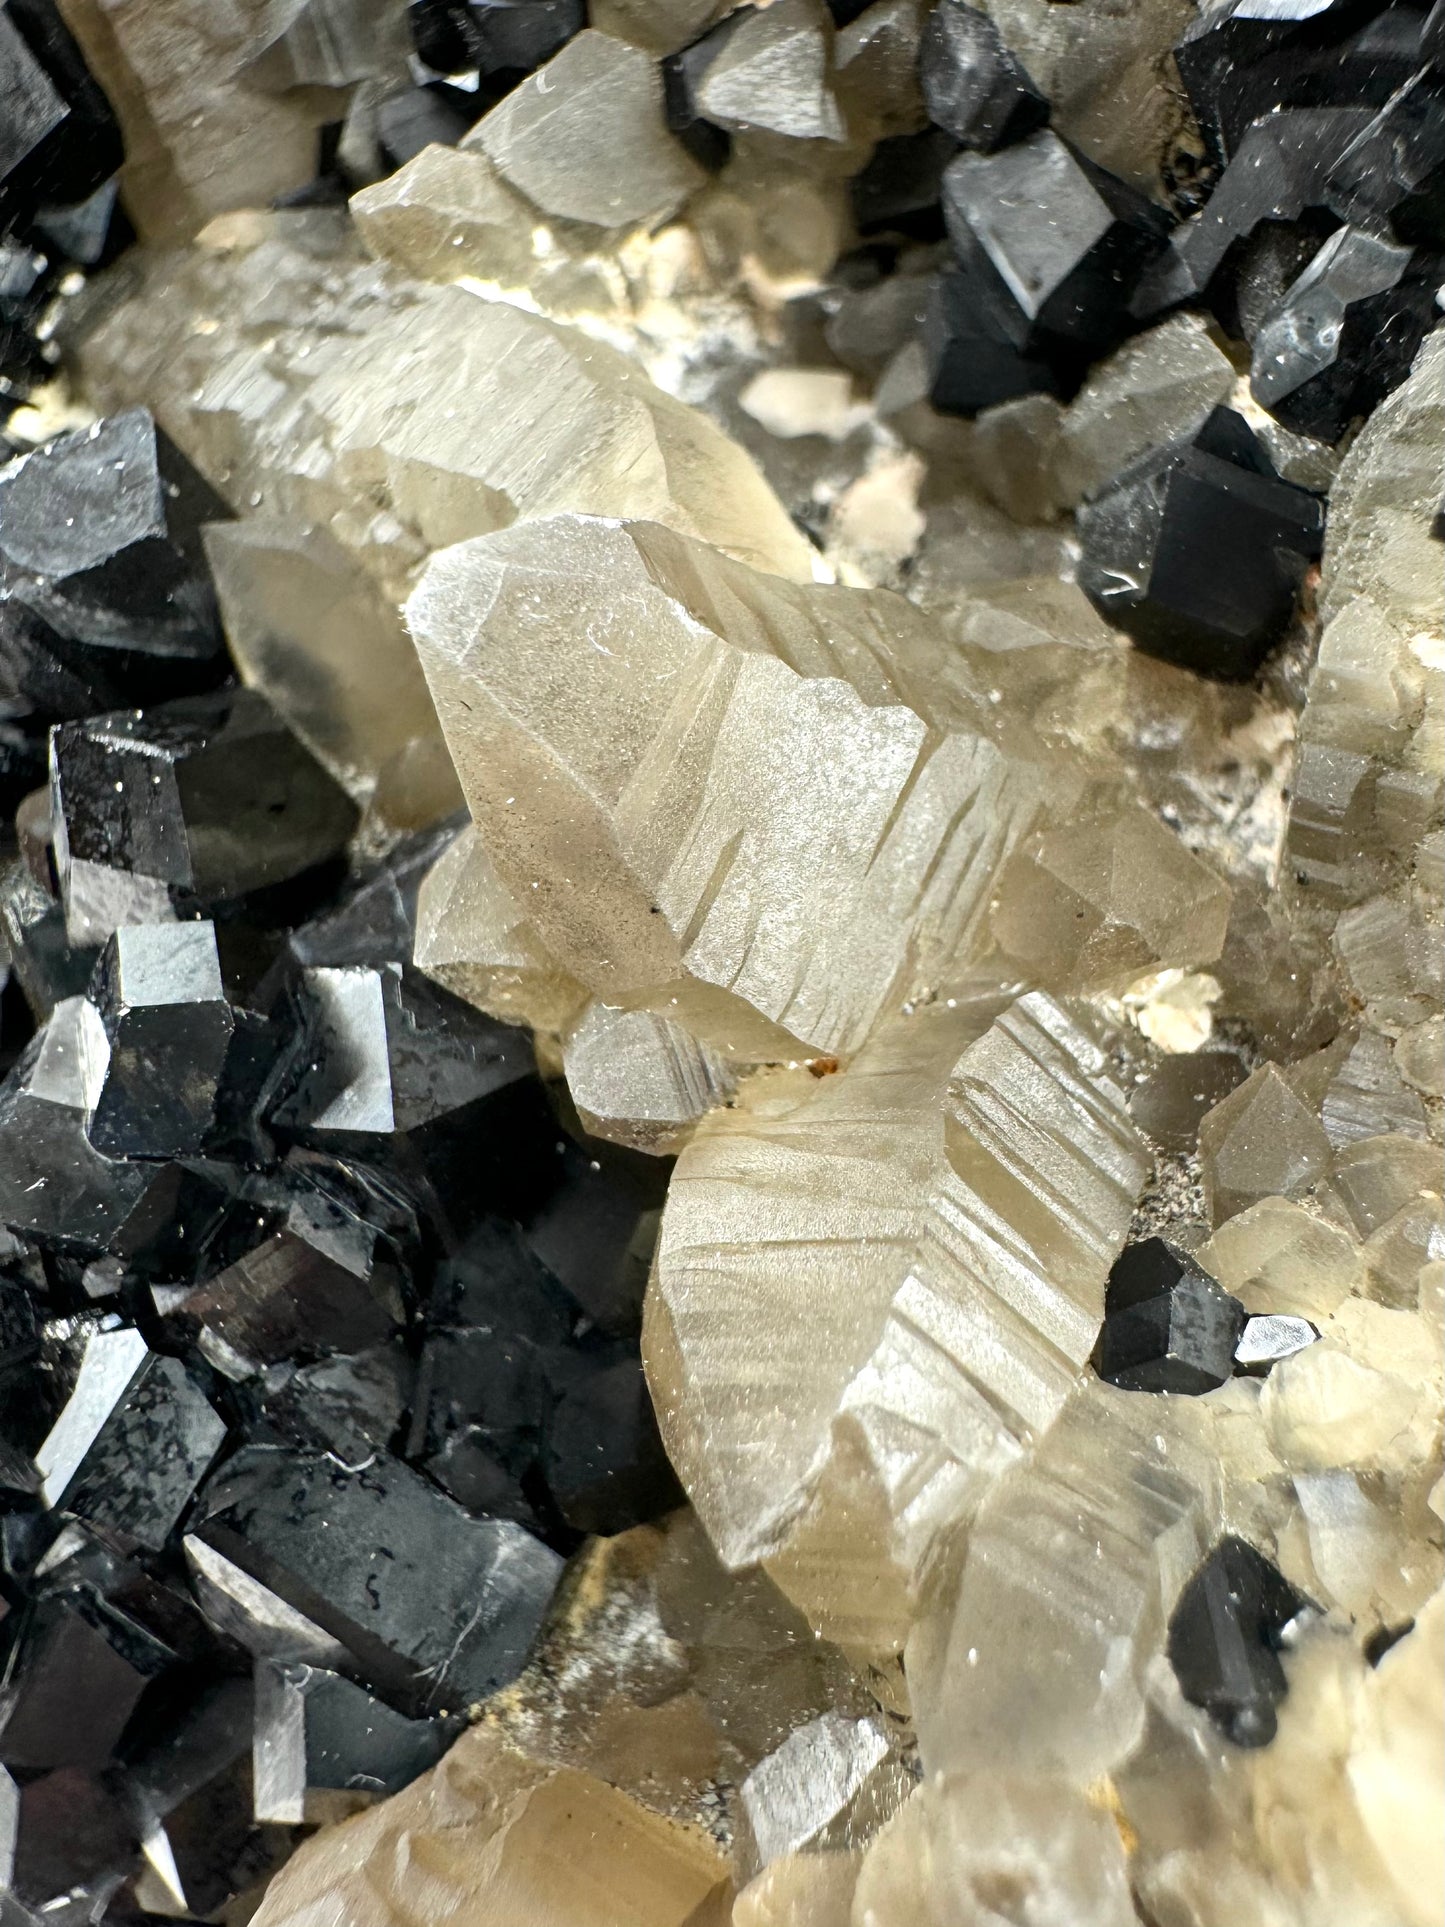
1168	1326
973	87
1225	1636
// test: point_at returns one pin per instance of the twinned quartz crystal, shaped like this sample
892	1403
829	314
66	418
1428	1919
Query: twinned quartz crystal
721	883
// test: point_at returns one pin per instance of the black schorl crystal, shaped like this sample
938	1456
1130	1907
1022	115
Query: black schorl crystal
682	75
1280	172
1225	1639
604	1461
1345	333
844	12
375	922
1393	172
492	37
415	118
1168	1326
184	808
164	1033
63	1832
434	1607
900	190
1198	549
105	596
1064	241
317	1732
973	342
60	139
973	87
76	1673
133	1442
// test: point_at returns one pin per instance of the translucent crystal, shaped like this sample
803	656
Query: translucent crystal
976	1847
863	1308
801	1890
1095	904
1261	1142
1153	390
492	1834
839	847
640	1080
584	138
1276	1256
831	1783
773	72
474	939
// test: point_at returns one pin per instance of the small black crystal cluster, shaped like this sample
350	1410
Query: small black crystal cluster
60	150
1313	234
318	1326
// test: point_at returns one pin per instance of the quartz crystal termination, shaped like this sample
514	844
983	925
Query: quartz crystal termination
870	1302
603	685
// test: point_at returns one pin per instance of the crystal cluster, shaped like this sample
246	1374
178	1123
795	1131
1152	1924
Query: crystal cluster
720	1070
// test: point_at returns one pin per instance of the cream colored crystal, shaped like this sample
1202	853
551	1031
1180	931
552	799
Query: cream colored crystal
983	1850
491	1836
774	74
1366	1396
801	1890
640	1080
870	1300
1093	905
1379	1176
196	142
661	26
473	937
584	137
1261	1142
1032	1653
705	785
1366	1557
1156	388
1276	1256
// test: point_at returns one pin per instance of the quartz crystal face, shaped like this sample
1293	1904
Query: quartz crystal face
722	884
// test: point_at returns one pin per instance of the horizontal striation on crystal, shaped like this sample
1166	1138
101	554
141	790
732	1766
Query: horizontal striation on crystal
706	784
870	1300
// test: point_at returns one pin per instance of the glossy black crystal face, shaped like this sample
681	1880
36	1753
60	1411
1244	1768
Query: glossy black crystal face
1168	1326
973	87
1199	549
1226	1636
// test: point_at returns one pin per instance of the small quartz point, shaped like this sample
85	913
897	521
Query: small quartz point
1261	1142
640	1080
133	1441
1224	1640
504	1837
864	1425
585	140
811	784
772	72
831	1783
1091	906
1268	1338
475	940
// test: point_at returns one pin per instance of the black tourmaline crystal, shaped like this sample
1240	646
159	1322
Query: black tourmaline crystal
1225	1638
900	190
682	76
1198	549
1168	1326
1393	172
1063	241
317	1732
492	37
973	87
1345	333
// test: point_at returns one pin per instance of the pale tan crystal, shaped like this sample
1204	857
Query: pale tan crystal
196	143
868	1301
1016	448
705	785
831	1784
1367	1097
639	1079
1108	74
306	628
446	213
801	1890
1366	1396
1031	1656
774	74
1261	1142
661	26
1397	1252
476	940
585	140
972	1850
1366	1557
1276	1256
1378	1176
1156	388
877	67
491	1836
1092	905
